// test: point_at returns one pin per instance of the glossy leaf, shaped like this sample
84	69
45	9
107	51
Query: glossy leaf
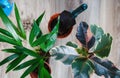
50	39
48	44
38	21
9	40
105	67
103	46
47	41
66	54
40	40
82	68
6	33
46	73
12	50
19	23
9	58
27	51
26	64
10	26
34	32
29	70
71	44
15	62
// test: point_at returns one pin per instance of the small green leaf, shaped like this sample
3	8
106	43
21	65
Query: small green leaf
48	44
6	39
82	68
66	54
30	69
82	51
19	23
40	40
12	50
5	32
103	46
27	51
10	26
105	68
26	64
15	62
9	58
71	44
39	19
34	32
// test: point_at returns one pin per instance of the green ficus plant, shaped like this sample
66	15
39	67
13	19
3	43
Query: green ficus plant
15	35
89	57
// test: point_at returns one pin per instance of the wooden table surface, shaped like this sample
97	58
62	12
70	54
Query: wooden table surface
104	13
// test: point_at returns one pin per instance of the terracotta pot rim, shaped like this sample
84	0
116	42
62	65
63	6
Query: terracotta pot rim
50	29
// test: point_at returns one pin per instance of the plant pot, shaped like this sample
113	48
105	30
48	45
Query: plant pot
35	74
66	23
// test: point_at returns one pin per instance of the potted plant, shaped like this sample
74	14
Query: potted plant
39	46
67	20
88	58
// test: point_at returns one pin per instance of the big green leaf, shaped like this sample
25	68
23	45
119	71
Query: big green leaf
30	69
15	62
9	40
50	39
103	46
66	54
19	23
26	64
34	32
82	68
103	41
27	51
48	43
105	67
9	58
6	33
40	40
10	26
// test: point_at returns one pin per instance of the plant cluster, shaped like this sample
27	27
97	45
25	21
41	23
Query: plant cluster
15	35
84	59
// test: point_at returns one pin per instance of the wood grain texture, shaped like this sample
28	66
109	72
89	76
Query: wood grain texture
105	13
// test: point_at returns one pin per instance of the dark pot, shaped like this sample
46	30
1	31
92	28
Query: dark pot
65	26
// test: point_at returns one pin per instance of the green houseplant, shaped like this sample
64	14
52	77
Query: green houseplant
88	58
40	45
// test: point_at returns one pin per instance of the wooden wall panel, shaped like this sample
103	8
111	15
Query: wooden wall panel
105	13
